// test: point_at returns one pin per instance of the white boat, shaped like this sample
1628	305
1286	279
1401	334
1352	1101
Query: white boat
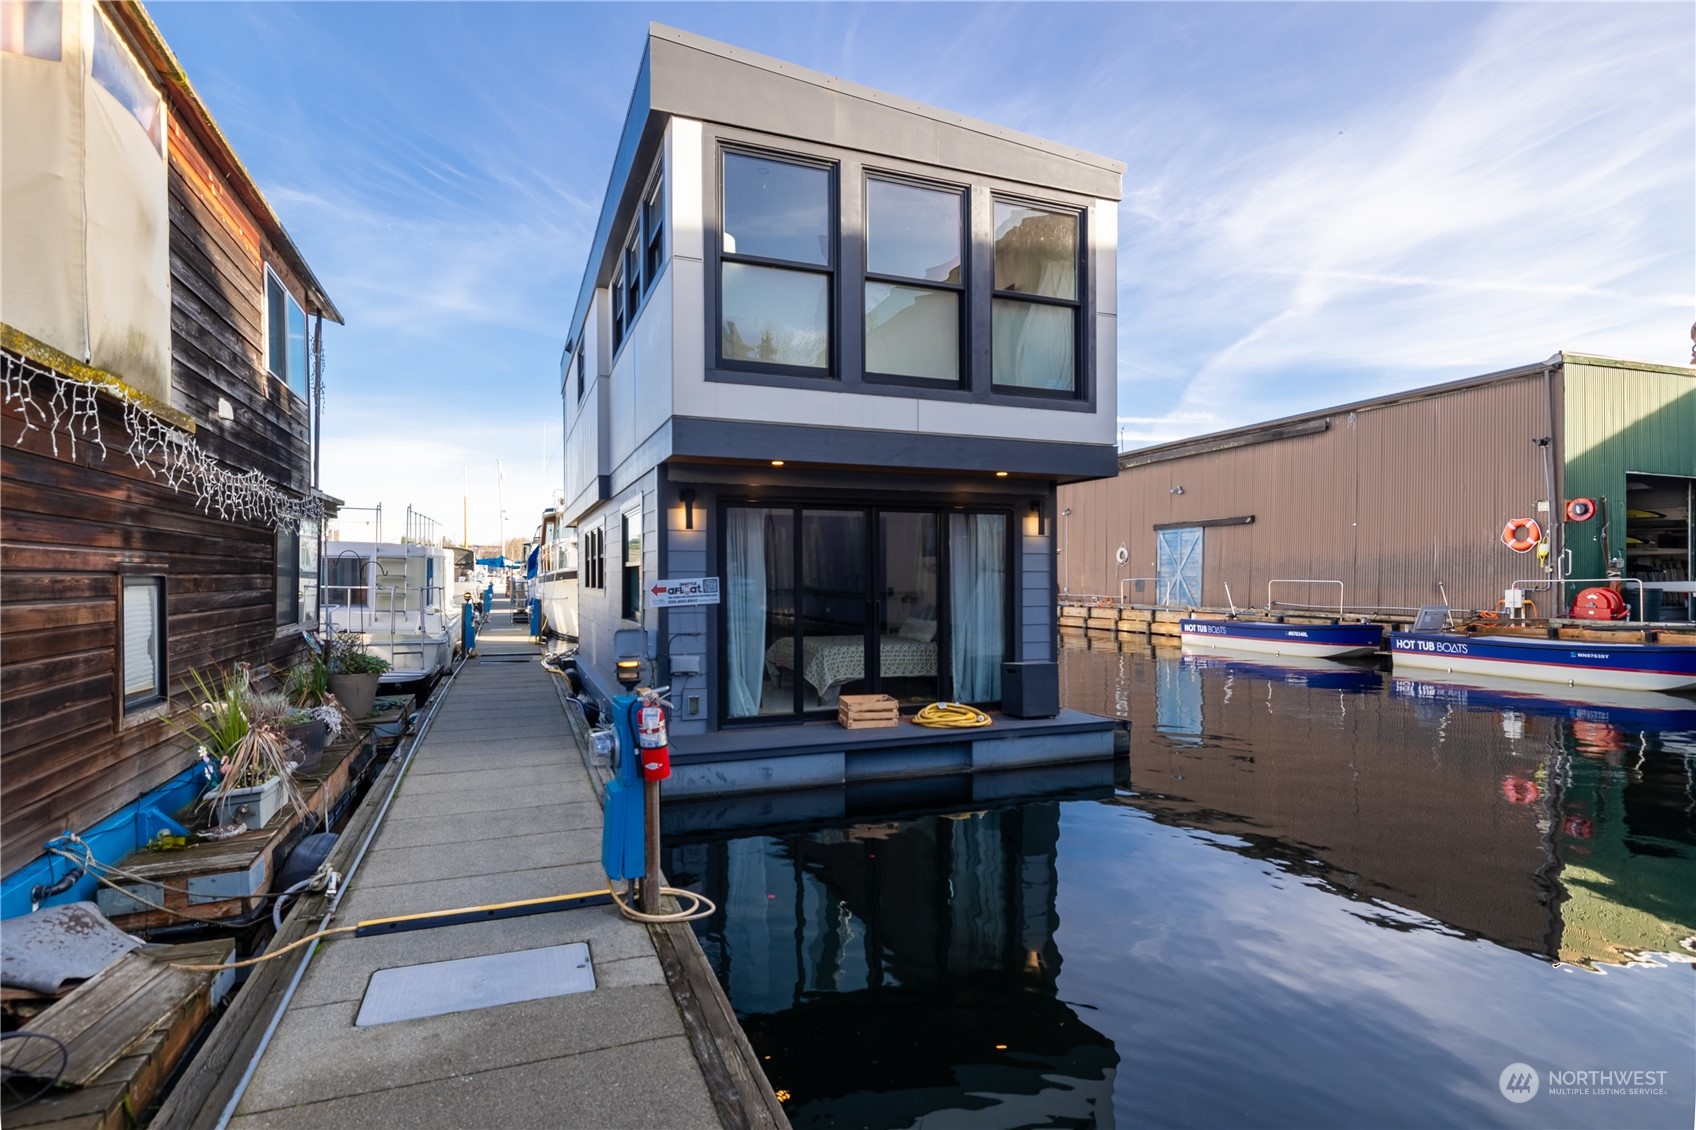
554	584
396	597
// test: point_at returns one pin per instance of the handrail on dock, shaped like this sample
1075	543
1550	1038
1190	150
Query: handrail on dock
1303	581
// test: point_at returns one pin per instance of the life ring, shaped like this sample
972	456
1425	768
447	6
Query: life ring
1123	555
1580	509
1521	534
1518	790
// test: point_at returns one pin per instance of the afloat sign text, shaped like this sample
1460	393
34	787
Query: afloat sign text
678	594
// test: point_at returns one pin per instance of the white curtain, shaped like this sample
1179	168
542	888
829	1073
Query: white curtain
745	610
978	580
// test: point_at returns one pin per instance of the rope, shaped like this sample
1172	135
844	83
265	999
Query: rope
951	716
700	907
264	957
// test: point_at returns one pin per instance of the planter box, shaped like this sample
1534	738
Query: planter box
356	693
251	806
312	737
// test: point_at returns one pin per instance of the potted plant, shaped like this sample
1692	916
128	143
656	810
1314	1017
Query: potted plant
315	719
354	673
237	730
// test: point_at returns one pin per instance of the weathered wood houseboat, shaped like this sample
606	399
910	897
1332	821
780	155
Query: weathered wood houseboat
832	353
162	355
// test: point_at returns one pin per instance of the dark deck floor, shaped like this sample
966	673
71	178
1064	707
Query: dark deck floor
756	741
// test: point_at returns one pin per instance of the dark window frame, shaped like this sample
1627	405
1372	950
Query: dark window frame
1078	305
963	359
630	575
871	509
582	381
127	706
831	271
276	335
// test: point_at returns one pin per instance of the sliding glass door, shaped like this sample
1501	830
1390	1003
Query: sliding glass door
826	601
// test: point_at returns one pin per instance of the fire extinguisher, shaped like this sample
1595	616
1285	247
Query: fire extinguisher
651	741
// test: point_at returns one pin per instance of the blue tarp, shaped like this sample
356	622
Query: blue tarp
533	562
493	562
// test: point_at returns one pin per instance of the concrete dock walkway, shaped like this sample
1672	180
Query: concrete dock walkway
496	806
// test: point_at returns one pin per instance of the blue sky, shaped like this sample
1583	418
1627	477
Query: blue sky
1323	201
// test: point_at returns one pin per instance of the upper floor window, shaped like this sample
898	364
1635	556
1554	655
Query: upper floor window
1034	315
639	263
582	378
31	27
116	70
915	280
653	230
285	335
777	264
618	309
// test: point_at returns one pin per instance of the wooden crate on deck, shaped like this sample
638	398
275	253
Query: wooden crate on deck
867	711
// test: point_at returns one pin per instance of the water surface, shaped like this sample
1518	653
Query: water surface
1315	896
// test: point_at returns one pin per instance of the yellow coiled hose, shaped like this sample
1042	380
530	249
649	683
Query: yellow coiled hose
951	716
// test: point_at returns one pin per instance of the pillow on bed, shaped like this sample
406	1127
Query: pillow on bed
916	629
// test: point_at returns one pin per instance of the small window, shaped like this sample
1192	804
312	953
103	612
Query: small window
285	335
618	311
582	378
143	643
288	575
653	228
632	282
776	264
31	27
915	239
1035	309
116	70
593	573
631	576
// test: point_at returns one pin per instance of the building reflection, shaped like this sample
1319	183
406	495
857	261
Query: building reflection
1558	828
910	967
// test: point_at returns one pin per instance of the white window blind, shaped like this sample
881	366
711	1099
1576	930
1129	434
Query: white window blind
142	636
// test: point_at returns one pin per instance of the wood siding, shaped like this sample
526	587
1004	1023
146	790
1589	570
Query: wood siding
69	525
1392	499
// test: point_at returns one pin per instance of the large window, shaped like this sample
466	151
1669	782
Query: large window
776	265
914	280
825	601
285	335
143	640
1035	308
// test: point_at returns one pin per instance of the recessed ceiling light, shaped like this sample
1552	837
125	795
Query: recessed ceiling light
777	462
1001	474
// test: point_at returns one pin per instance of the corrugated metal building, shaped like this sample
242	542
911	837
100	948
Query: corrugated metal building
1404	498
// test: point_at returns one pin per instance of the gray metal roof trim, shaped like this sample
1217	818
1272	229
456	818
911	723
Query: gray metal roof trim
870	94
1175	449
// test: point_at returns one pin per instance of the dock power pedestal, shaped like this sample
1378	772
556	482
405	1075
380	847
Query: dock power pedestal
623	830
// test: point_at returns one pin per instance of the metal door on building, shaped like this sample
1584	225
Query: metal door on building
1177	561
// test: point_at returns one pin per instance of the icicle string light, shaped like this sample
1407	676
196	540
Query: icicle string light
47	401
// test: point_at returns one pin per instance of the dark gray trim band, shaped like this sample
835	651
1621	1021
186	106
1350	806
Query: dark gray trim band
800	444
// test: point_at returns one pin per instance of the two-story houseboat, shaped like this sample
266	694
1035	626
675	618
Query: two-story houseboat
160	354
832	354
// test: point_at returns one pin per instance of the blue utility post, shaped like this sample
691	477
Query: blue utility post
623	827
468	625
488	599
535	618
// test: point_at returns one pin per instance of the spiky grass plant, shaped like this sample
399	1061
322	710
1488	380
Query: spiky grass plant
240	729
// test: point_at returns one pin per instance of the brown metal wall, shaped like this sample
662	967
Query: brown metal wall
1390	500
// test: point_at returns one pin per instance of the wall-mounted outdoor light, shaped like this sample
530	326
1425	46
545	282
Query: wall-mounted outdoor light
1036	517
1176	490
687	495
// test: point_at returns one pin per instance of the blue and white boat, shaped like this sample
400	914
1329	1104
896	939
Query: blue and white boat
1584	662
1332	640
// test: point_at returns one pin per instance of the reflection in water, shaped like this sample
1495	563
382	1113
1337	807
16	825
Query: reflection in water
1321	896
891	971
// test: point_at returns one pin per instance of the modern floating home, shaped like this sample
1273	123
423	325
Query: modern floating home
1441	495
157	444
833	353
